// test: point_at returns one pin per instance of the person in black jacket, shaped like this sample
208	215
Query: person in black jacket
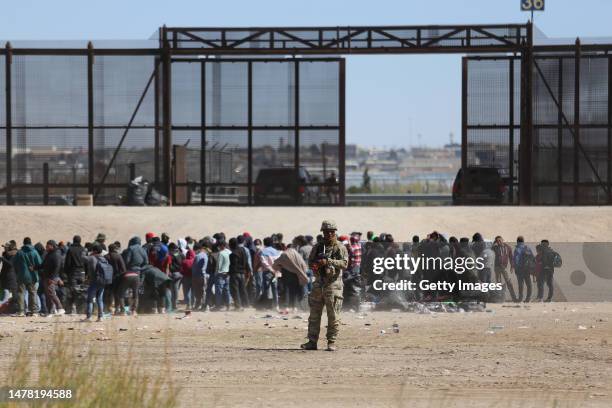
116	261
547	272
8	277
176	269
52	267
238	267
74	270
135	256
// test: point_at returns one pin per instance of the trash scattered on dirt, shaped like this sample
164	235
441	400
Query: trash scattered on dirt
187	315
123	329
581	327
382	332
496	327
395	328
103	338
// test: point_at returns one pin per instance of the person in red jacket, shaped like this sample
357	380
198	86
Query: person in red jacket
186	266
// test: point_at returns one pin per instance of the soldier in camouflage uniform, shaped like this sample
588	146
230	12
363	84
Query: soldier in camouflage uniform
327	260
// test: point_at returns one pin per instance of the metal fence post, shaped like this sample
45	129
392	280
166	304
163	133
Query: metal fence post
526	145
203	133
90	118
296	118
250	131
9	124
167	112
342	139
464	112
609	130
577	57
560	134
156	147
511	129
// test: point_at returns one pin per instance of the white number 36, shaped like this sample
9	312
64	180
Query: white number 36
532	4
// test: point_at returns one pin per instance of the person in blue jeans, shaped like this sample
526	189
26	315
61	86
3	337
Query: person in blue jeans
257	272
94	291
269	290
222	293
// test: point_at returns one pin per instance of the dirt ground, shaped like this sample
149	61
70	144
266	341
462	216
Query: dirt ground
546	355
558	224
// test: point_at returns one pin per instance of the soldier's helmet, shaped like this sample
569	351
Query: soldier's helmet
328	225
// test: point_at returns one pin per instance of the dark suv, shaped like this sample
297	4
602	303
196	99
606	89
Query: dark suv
478	185
284	186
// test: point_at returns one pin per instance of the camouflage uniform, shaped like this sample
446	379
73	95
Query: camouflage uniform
327	288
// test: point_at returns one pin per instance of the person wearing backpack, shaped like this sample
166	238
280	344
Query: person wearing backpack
238	269
115	259
550	260
100	274
210	245
176	259
199	275
524	266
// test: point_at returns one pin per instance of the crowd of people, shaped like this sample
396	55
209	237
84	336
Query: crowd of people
216	273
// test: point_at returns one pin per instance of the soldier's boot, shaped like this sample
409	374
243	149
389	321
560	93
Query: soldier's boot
331	346
309	345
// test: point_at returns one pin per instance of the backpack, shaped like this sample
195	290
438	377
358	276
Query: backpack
176	264
104	272
557	261
211	267
528	262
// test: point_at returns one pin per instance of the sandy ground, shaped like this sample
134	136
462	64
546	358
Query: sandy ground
558	224
540	358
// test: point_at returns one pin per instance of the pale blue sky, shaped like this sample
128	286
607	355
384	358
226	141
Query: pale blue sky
390	99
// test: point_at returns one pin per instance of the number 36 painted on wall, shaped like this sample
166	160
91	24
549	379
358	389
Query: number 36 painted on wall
532	5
